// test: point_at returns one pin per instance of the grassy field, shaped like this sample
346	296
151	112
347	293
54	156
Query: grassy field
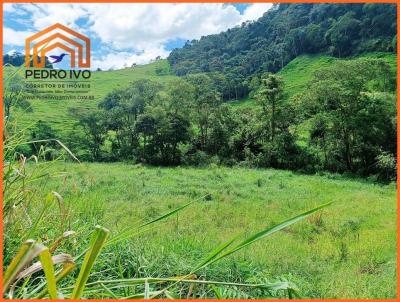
102	82
300	71
346	251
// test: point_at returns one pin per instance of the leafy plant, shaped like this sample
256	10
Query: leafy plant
30	249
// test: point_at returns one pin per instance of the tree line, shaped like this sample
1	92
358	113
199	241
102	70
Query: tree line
345	121
283	33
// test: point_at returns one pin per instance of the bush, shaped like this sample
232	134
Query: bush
386	166
198	158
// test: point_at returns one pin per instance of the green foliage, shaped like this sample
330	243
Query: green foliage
175	249
318	114
14	96
387	166
97	242
205	102
95	130
353	113
283	33
162	132
299	72
343	35
269	95
43	136
185	121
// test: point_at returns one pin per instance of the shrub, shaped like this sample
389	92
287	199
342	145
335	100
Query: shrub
198	158
386	166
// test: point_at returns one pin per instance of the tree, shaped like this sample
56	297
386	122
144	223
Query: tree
281	34
343	34
314	38
95	132
180	96
44	133
146	126
269	96
122	110
352	122
223	125
162	132
14	96
206	101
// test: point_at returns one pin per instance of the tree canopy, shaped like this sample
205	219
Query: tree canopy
283	33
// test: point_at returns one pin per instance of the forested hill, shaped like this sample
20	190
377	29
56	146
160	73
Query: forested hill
285	32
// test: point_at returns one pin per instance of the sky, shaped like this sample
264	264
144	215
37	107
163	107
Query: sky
125	33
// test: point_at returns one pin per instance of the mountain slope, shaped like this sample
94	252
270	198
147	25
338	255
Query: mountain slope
286	32
57	113
298	72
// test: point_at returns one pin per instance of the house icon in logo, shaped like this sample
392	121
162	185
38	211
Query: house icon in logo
57	36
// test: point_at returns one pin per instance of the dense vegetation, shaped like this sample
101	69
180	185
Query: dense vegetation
283	33
345	121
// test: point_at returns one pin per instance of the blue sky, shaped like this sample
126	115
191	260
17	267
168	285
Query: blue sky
122	34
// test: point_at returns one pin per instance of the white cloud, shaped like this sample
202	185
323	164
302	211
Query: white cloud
51	13
139	26
117	60
15	38
255	11
43	15
135	32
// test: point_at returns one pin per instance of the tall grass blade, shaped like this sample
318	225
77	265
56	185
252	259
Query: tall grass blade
279	285
61	258
217	292
146	290
60	239
66	270
214	254
109	291
218	253
48	268
28	251
127	234
58	142
141	296
96	244
38	220
166	215
268	231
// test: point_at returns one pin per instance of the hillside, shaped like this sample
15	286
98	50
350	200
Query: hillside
297	73
283	33
102	82
301	70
